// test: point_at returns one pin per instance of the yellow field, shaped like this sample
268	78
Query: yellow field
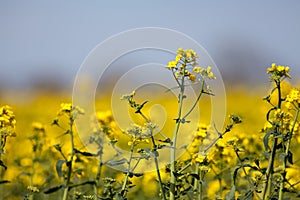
161	149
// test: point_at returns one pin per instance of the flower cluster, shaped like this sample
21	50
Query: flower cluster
278	71
293	99
138	134
7	122
279	118
7	117
37	126
185	65
104	118
199	136
70	110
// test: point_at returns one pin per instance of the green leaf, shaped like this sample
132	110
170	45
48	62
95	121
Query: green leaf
230	194
4	181
252	167
257	163
84	153
55	122
59	167
168	140
235	174
290	157
196	176
3	165
138	174
117	162
53	189
266	140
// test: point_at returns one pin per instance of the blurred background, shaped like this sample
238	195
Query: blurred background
43	43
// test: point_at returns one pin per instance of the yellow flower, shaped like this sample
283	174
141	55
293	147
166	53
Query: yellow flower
232	141
192	77
278	71
210	74
198	70
37	126
180	51
293	98
172	65
7	118
200	159
133	93
69	109
178	58
104	118
177	75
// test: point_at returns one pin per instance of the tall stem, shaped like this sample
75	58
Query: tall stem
174	140
123	190
155	159
69	163
98	175
198	184
268	184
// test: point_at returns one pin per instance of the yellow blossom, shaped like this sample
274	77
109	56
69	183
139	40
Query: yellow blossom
104	118
172	64
198	70
178	58
192	77
200	159
7	117
177	75
278	71
210	74
37	126
293	98
69	109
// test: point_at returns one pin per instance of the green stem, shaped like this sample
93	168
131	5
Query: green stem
281	190
155	159
197	100
268	184
221	174
123	189
174	140
197	183
184	168
69	163
31	196
246	174
98	175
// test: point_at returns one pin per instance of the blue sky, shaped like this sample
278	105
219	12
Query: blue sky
49	39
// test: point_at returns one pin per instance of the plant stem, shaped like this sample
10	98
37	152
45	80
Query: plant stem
98	175
197	186
174	140
123	190
155	159
69	163
269	171
31	195
221	174
285	157
250	181
197	100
